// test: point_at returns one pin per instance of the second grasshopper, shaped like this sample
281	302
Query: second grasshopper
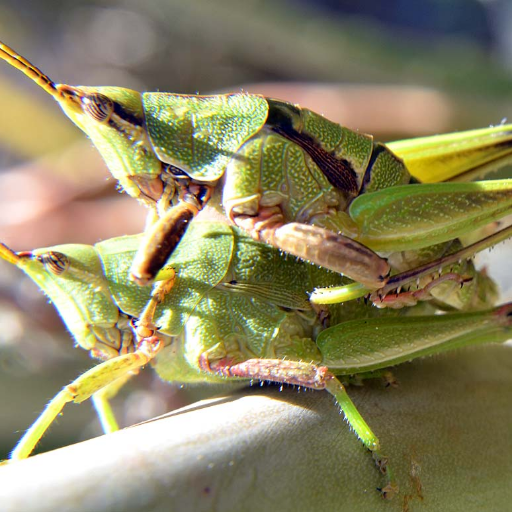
238	310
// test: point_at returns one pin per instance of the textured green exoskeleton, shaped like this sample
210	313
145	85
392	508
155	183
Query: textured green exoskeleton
286	175
238	309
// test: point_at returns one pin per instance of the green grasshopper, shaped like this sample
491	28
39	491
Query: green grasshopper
286	175
238	310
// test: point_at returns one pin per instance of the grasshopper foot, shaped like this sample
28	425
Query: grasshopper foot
411	298
389	491
391	488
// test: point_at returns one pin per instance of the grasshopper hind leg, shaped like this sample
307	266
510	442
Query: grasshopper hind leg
339	294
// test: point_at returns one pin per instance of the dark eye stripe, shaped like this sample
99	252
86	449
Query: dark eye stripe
129	117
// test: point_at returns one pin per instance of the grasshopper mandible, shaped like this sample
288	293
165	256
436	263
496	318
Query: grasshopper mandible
286	175
238	309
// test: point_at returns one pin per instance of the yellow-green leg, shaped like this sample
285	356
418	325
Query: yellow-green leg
101	401
145	329
84	387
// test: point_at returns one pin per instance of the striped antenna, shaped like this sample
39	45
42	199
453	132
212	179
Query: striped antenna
8	255
35	74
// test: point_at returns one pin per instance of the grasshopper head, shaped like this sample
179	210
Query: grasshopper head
72	277
113	118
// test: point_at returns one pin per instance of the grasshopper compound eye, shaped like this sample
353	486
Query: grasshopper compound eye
98	106
55	262
95	105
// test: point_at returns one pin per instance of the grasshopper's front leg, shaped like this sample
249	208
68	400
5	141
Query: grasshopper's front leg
160	241
91	382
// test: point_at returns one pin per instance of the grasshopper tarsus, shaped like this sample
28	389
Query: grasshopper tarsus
389	491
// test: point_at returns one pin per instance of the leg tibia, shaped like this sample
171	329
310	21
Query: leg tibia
354	418
82	388
101	402
313	377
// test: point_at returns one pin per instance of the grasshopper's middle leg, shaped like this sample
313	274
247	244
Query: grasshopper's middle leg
319	245
313	377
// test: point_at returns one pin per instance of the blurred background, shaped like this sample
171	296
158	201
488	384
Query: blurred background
395	69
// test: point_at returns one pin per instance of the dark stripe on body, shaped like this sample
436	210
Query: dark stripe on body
338	171
376	151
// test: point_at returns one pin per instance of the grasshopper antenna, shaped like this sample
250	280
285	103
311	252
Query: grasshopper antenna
35	74
8	255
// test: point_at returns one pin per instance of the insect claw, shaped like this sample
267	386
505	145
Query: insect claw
389	491
390	380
